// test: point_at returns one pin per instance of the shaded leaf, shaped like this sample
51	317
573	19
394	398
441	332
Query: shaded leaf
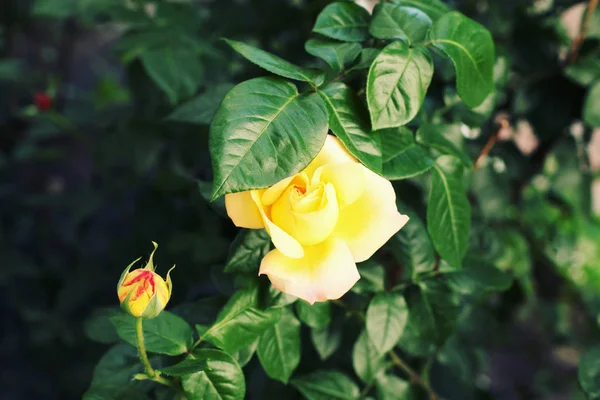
326	385
391	387
412	245
402	156
222	379
433	8
327	340
385	320
337	55
372	278
366	359
201	109
393	21
317	315
432	136
591	108
247	250
343	21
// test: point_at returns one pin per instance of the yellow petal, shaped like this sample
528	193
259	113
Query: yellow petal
312	227
242	210
370	221
333	152
271	194
347	178
283	241
327	271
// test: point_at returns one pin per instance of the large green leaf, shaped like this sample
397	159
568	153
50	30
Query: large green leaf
396	85
240	323
165	334
393	21
175	69
279	347
367	361
343	21
326	385
433	8
247	250
348	120
591	108
222	379
264	125
390	387
277	65
337	55
432	136
402	157
317	315
448	210
385	320
412	245
201	109
327	340
471	48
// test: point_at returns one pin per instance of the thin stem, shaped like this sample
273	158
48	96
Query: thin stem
503	123
413	376
150	372
576	45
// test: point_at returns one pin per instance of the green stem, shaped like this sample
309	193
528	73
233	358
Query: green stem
413	376
152	374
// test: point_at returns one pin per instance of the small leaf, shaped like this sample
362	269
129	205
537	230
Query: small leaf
471	48
279	347
317	315
247	250
367	361
344	21
264	125
433	8
186	367
165	334
385	320
448	211
348	120
326	385
431	136
591	108
277	65
392	21
201	109
413	246
327	340
222	379
402	156
337	55
396	85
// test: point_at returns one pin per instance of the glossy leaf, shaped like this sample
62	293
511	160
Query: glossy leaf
433	8
432	136
337	55
448	211
279	347
367	361
396	85
326	385
222	379
247	250
591	108
471	48
201	109
165	334
348	120
264	125
188	366
277	65
385	320
343	21
393	21
317	315
402	156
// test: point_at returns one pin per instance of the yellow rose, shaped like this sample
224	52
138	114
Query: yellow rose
322	221
142	292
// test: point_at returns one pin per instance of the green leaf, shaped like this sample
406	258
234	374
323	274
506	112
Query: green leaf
396	85
448	211
393	21
589	372
586	70
348	120
478	279
186	367
264	125
432	136
222	379
412	245
240	323
367	56
327	340
175	69
98	327
54	8
591	108
344	21
435	9
326	385
165	334
247	250
277	65
366	359
402	156
390	387
471	48
337	55
372	278
593	31
317	315
279	347
385	320
201	109
244	356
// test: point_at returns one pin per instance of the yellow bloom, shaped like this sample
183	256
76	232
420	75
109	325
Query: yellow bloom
322	221
142	292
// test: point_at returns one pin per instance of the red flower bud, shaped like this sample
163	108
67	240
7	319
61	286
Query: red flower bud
42	101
